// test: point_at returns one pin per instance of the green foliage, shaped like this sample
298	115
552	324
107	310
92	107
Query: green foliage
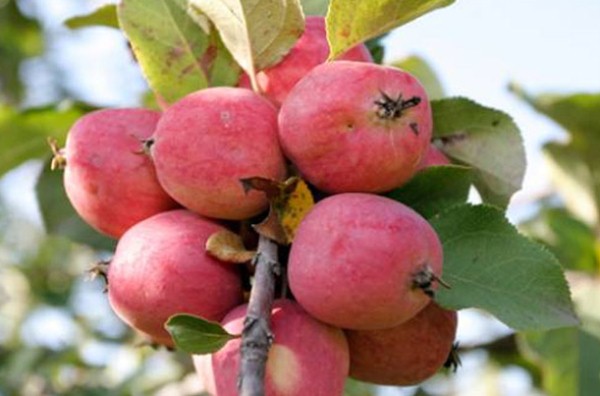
489	265
417	66
23	134
435	189
196	335
257	33
19	38
569	357
487	140
176	54
59	216
577	113
103	16
572	241
352	22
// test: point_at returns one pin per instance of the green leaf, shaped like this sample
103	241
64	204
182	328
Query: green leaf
569	357
572	241
23	135
574	174
103	16
487	140
352	22
258	33
435	189
417	66
176	54
577	113
59	216
197	336
315	7
569	360
489	265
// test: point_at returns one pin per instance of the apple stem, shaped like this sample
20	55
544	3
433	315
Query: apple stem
257	336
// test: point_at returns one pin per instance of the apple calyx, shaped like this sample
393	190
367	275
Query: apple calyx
389	108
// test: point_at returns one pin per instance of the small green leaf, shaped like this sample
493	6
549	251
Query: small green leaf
176	54
435	189
197	336
23	134
103	16
417	66
258	33
59	216
352	22
489	265
485	139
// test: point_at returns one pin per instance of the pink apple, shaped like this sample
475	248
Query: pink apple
161	268
307	357
310	50
110	182
356	127
363	261
209	140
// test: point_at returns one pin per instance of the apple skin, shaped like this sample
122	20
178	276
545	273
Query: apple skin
109	182
209	140
433	157
160	268
354	259
341	140
406	354
307	357
310	50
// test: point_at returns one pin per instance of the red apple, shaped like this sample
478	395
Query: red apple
307	357
356	127
310	50
406	354
363	261
109	181
161	268
433	157
209	140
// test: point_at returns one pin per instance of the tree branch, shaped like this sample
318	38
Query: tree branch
257	336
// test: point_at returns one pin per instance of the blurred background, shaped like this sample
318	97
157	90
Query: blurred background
57	334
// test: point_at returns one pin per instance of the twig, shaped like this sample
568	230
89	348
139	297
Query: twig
257	336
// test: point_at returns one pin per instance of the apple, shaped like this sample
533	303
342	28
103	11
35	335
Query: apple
307	357
209	140
363	261
109	181
356	127
406	354
160	268
310	50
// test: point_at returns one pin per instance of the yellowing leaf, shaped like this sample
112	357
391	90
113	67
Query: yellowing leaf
228	246
258	33
352	22
296	204
290	202
176	53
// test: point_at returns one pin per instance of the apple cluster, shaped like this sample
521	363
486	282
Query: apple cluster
362	268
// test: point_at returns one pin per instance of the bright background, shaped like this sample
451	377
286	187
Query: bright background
476	46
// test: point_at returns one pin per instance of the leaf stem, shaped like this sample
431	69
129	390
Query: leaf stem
257	336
